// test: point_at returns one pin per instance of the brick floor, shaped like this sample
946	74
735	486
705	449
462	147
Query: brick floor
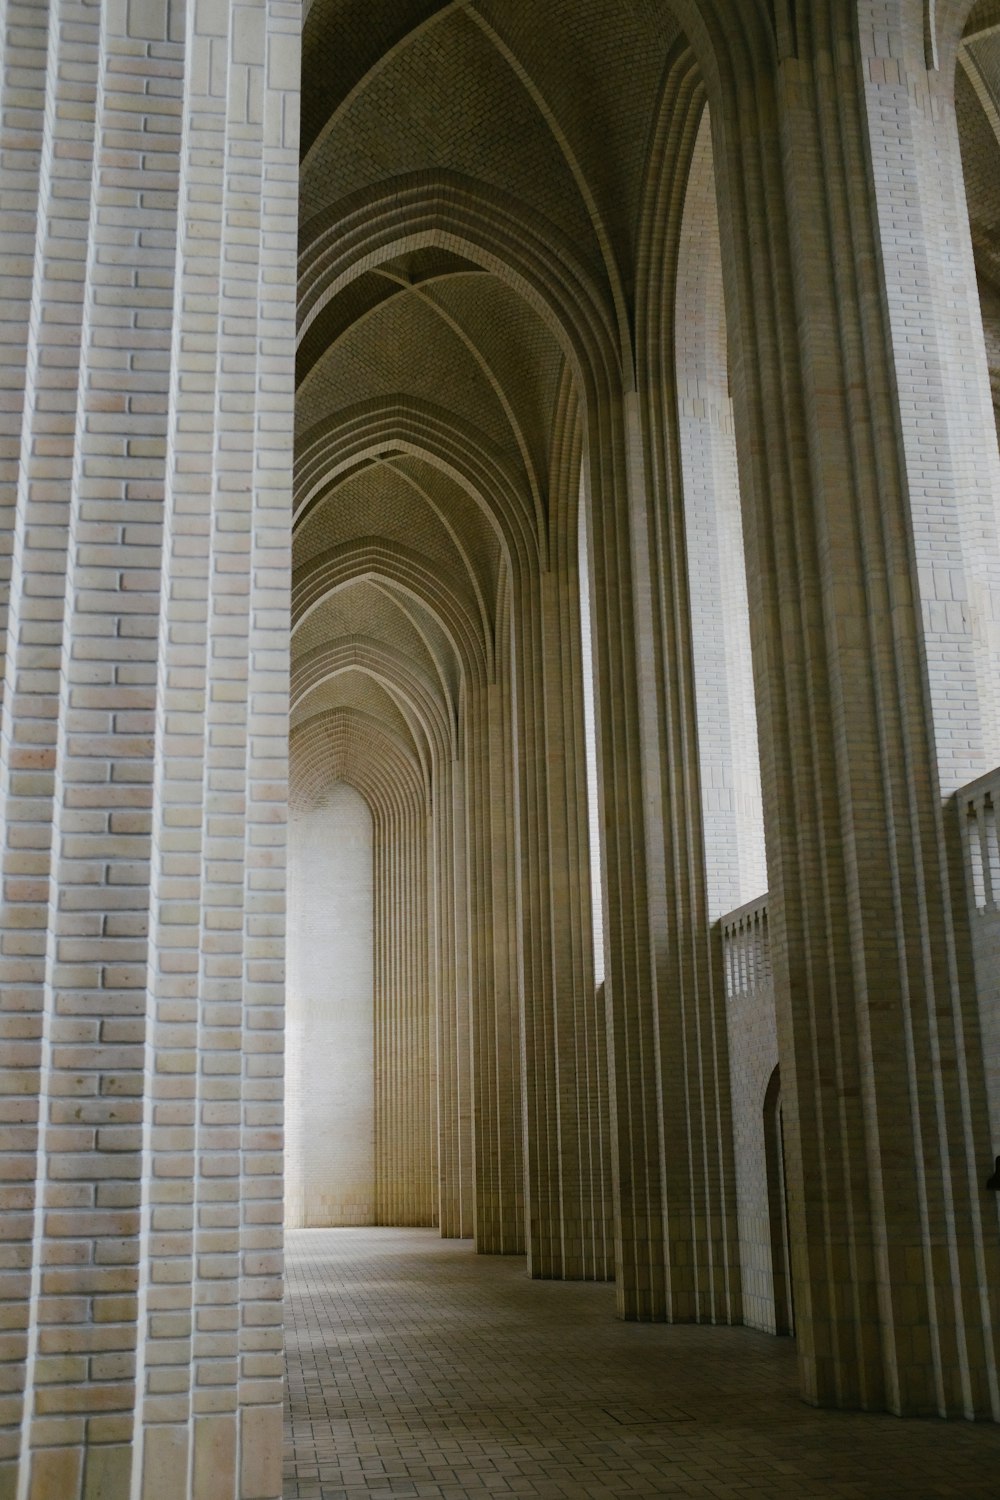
416	1368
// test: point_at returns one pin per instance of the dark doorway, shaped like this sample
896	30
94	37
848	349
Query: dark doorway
777	1208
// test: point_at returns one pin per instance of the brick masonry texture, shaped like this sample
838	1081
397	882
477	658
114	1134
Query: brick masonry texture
345	347
329	1014
416	1369
143	742
724	324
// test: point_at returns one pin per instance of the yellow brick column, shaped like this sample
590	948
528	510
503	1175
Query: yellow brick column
496	1075
406	1144
564	1034
79	1418
678	710
894	1240
43	109
450	981
142	956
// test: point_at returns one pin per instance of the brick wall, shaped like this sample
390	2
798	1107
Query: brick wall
329	1040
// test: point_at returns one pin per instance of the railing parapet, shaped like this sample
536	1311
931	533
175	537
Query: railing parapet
978	804
746	950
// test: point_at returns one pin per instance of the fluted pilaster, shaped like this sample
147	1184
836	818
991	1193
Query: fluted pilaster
155	432
891	1251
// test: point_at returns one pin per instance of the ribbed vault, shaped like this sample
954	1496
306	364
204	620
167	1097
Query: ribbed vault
472	203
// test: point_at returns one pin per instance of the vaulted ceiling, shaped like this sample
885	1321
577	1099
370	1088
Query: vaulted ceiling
434	395
432	390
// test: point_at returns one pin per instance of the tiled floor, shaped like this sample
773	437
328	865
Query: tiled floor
416	1368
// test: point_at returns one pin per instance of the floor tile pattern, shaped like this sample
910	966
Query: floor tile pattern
419	1369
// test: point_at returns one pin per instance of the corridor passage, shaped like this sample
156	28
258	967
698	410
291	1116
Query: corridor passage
416	1368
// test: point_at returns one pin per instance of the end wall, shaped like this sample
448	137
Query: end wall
329	1088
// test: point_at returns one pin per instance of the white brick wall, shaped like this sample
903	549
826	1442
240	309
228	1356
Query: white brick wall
736	868
753	1057
329	1038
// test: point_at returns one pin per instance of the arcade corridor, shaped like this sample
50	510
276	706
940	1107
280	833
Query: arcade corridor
419	1369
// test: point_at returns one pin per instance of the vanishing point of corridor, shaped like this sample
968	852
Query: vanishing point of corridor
417	1368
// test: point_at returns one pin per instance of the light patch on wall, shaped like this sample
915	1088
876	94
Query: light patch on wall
329	1087
590	740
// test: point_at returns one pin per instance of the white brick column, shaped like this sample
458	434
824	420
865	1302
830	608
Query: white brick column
40	357
449	971
406	1142
894	1241
566	1148
147	654
496	1075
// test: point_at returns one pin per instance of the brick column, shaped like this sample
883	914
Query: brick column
41	357
496	1071
406	1185
450	981
683	693
894	1239
147	650
565	1140
948	435
642	1278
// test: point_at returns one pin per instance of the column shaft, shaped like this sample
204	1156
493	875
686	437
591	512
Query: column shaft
142	955
893	1264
